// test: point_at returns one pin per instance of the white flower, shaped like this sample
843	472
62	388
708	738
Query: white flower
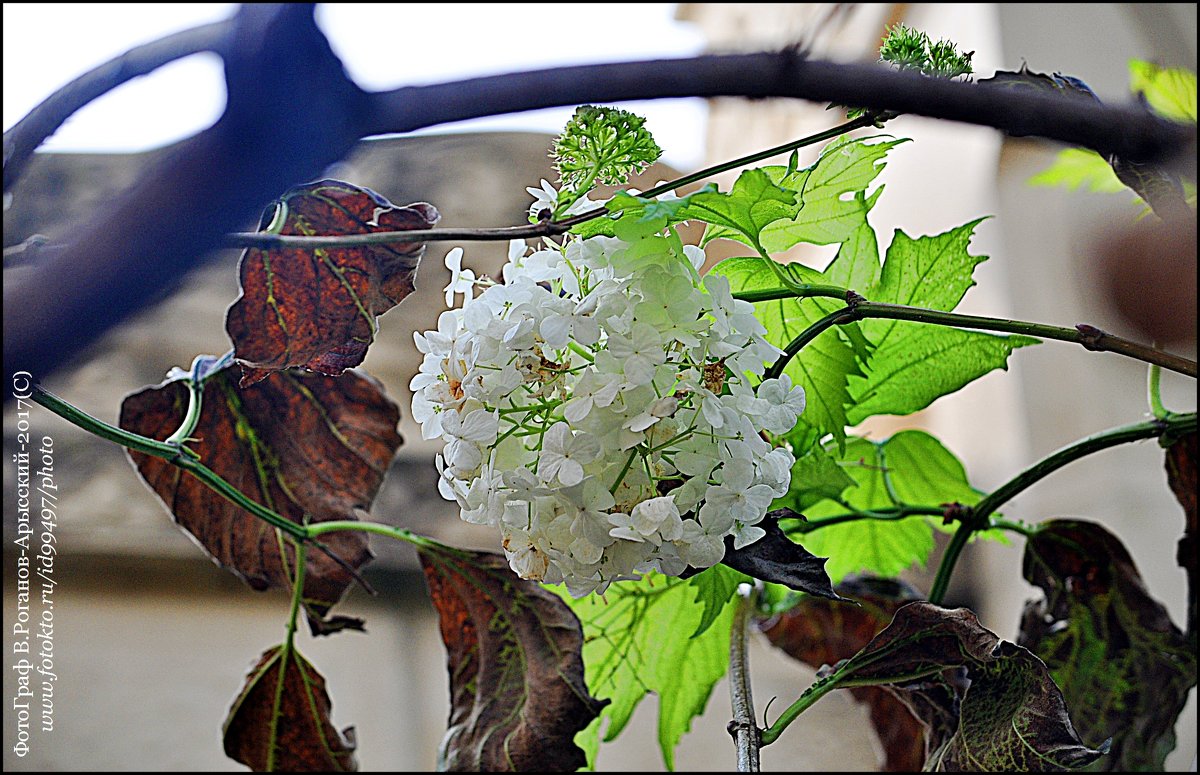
594	388
598	408
735	499
461	280
546	198
640	352
564	454
786	403
744	535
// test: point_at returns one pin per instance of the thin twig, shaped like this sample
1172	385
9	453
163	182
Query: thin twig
36	247
1089	337
743	727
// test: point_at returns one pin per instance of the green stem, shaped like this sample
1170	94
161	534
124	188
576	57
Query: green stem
828	134
979	517
297	594
806	701
390	531
798	291
1176	425
1089	337
285	653
174	454
885	514
1154	388
195	388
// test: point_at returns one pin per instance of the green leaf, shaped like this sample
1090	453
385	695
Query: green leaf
637	640
1076	168
1170	91
824	366
933	271
826	216
883	547
1124	668
654	214
918	364
922	470
715	587
856	265
911	468
912	365
816	476
754	202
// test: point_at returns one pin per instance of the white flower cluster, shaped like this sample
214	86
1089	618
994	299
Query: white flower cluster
598	408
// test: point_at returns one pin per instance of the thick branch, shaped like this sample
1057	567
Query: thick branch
1127	131
291	111
44	120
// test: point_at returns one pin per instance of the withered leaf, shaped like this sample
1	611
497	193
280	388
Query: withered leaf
819	631
1011	718
310	448
517	688
280	720
317	308
779	559
1125	670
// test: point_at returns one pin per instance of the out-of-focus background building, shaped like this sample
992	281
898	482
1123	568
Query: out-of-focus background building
152	641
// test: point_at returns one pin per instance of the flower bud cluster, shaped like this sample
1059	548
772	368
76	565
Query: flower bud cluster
602	408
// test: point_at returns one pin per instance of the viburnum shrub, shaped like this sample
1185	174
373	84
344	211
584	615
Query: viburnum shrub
669	456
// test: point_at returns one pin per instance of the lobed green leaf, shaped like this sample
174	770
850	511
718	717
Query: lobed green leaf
637	640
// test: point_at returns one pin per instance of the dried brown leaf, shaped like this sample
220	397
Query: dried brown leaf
517	688
310	448
280	720
317	308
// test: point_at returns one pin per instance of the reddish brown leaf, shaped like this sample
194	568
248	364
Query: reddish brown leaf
517	690
316	308
1124	668
820	631
1011	718
310	448
284	726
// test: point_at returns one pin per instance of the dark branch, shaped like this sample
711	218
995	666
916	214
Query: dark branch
291	111
26	135
1130	132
